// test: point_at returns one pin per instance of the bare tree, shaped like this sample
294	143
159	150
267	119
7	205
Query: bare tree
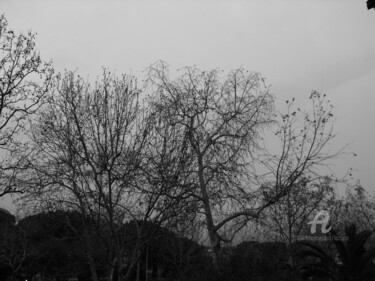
166	171
356	207
86	155
98	150
296	181
288	218
291	213
219	122
24	81
304	139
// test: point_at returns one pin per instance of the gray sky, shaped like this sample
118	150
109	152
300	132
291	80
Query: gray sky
298	45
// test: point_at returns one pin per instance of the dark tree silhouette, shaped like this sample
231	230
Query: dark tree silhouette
220	124
19	97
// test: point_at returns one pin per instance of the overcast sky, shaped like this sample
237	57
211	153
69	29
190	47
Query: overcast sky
300	45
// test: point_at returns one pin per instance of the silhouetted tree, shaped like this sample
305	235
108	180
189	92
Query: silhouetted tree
24	82
220	123
288	218
90	147
357	206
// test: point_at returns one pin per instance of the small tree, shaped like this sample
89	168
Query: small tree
304	139
357	206
288	218
24	81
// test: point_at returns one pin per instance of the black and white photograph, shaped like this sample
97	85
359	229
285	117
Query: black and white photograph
177	140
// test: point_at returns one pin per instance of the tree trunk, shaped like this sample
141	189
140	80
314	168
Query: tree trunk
90	257
212	233
292	260
111	273
215	250
138	269
146	264
135	261
92	268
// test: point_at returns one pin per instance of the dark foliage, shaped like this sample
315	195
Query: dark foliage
353	259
